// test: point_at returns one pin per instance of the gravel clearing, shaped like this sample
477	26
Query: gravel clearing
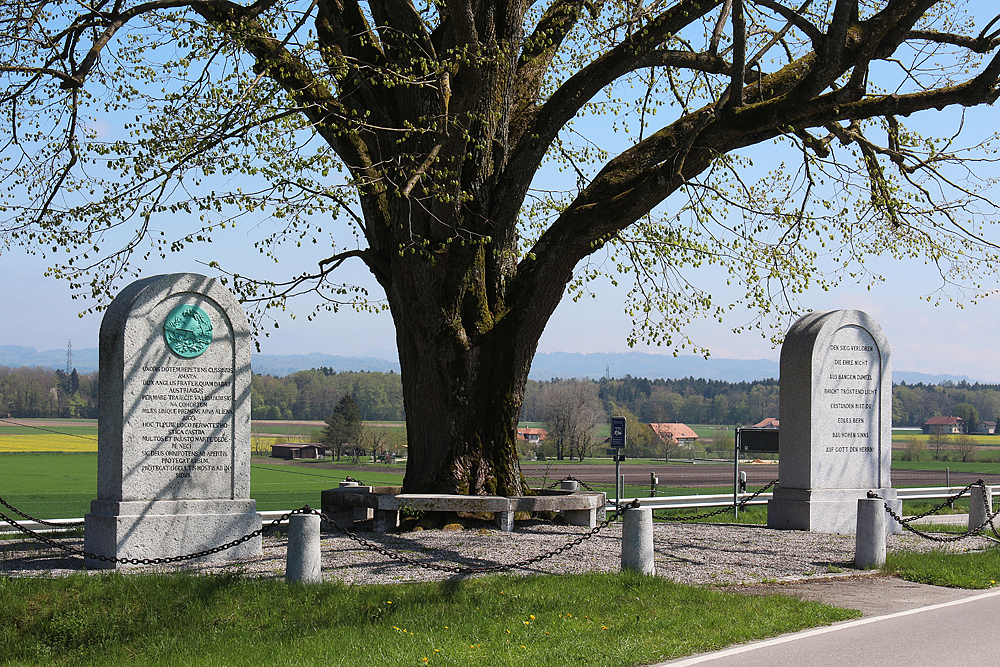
711	554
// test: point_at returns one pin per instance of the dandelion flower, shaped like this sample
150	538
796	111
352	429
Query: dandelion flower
531	616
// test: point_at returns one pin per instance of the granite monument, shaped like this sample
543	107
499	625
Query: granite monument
835	440
174	429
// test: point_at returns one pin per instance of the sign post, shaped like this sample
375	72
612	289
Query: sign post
618	444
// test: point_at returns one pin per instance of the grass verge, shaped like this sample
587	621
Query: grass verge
974	569
590	619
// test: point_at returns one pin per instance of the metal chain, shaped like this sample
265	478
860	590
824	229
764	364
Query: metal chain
155	561
934	538
372	546
472	569
727	508
71	524
940	507
570	478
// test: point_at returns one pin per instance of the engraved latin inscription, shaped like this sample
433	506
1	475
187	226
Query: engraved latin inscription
186	419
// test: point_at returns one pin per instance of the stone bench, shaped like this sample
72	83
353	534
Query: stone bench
350	503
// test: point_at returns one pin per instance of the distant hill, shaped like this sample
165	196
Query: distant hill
595	365
84	360
546	366
283	364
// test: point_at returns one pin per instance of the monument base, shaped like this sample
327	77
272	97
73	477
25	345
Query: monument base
166	528
825	510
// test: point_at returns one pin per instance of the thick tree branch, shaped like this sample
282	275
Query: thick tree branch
539	50
538	134
973	44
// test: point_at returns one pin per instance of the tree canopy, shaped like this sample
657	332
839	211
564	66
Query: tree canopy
408	136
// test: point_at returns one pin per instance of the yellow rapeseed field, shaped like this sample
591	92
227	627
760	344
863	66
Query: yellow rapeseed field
49	442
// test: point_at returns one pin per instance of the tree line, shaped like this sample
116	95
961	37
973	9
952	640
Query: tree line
33	391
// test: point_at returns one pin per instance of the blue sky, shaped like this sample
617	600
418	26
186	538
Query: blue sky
924	338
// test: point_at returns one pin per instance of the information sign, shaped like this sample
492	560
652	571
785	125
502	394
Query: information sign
618	432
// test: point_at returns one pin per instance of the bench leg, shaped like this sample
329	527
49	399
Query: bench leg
363	513
504	521
586	518
386	520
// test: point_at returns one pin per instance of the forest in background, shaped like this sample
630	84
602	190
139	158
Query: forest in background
33	391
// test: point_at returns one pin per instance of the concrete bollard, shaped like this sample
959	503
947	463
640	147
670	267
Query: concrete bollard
869	545
303	560
980	505
637	540
569	485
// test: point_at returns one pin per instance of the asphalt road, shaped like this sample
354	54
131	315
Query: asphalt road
707	475
956	632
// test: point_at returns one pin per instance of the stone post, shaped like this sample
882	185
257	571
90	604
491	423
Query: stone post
569	485
303	562
980	505
637	540
869	539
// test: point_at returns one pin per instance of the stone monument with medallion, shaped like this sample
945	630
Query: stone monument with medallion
835	441
174	429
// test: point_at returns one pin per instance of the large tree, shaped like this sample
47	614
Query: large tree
421	126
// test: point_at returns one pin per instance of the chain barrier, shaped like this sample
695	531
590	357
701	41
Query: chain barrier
570	478
71	524
153	561
905	523
727	508
940	507
367	544
470	569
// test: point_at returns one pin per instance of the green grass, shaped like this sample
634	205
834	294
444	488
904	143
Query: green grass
59	486
592	619
282	487
750	515
985	468
51	485
978	569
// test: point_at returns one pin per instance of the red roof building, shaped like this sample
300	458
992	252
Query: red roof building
944	425
532	435
679	433
770	422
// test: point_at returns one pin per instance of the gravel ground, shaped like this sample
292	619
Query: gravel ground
713	554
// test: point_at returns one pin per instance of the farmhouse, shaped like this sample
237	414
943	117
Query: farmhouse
943	425
682	434
532	435
769	422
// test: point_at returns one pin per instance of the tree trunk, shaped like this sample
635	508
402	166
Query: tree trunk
463	400
465	349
